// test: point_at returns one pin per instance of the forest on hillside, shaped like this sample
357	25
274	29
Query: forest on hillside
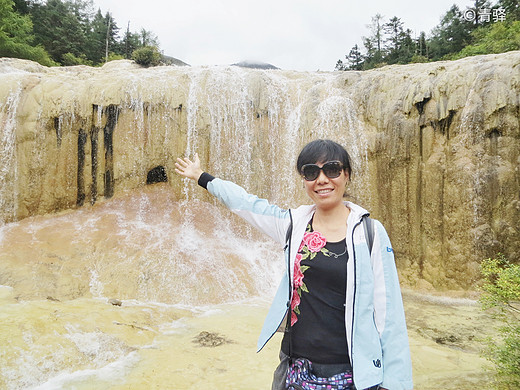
70	32
75	32
481	28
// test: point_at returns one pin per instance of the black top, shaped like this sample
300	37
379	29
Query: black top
319	331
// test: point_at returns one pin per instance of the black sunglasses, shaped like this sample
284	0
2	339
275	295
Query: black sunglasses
331	169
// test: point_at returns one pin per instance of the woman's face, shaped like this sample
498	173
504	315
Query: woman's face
326	192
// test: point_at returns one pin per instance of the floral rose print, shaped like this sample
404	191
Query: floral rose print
312	243
298	273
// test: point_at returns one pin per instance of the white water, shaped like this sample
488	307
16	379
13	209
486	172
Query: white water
8	166
167	261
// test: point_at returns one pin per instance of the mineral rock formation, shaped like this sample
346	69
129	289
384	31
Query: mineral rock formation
436	147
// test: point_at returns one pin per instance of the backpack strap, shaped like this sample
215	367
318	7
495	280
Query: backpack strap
288	246
289	230
368	225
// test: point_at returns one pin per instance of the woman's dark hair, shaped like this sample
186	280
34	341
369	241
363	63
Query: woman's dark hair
321	151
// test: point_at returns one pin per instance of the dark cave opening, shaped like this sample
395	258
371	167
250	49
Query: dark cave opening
157	175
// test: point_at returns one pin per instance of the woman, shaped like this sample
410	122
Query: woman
346	312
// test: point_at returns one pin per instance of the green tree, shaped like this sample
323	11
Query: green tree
374	43
58	29
148	38
451	35
408	47
421	45
496	38
112	43
512	9
340	65
481	9
400	46
21	7
147	56
84	11
355	58
16	39
501	291
394	30
103	38
96	38
130	43
69	59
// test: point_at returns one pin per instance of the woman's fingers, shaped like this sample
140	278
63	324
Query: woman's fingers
184	162
186	167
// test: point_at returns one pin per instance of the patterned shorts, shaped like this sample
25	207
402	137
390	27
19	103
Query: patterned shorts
301	377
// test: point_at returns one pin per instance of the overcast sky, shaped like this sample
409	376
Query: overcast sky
305	35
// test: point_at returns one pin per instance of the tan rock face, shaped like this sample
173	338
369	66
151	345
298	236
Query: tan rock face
436	147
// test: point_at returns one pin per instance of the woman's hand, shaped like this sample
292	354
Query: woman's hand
188	168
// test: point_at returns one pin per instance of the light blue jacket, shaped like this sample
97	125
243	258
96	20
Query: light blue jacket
374	316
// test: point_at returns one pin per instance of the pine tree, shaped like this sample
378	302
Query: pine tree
451	35
421	45
21	7
130	43
112	36
340	65
355	58
407	47
16	38
58	29
97	38
374	43
394	30
148	38
511	8
482	11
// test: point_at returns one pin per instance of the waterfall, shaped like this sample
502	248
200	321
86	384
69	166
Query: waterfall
8	166
429	150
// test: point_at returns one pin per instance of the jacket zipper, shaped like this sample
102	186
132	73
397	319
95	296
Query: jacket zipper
288	312
353	298
287	246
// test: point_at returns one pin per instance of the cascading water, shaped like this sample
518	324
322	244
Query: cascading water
138	247
8	167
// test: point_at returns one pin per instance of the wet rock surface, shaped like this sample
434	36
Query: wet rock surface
210	339
446	338
435	146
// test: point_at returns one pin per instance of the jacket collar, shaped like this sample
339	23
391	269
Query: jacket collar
305	212
357	211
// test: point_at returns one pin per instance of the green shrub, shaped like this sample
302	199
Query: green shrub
418	58
69	59
501	291
11	48
113	57
147	56
497	38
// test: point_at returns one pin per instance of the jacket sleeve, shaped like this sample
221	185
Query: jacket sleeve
389	315
269	219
